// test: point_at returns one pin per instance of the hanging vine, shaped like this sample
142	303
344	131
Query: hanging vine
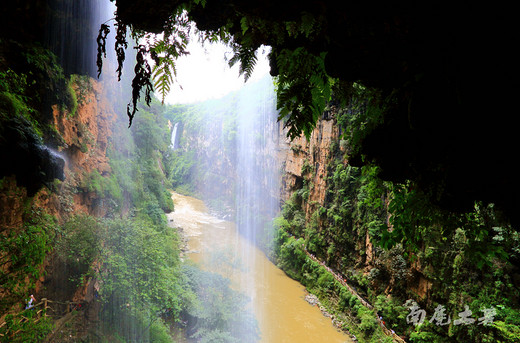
142	79
155	59
304	87
120	46
101	40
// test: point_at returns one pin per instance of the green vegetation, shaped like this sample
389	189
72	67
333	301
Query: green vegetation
137	159
393	244
131	255
135	253
139	276
84	88
28	326
13	87
79	246
22	253
25	94
219	313
34	82
145	290
303	89
318	280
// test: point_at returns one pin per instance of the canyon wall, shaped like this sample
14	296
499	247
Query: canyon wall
308	166
84	139
80	137
304	158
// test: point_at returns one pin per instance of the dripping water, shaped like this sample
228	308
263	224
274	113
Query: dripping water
72	31
257	189
277	302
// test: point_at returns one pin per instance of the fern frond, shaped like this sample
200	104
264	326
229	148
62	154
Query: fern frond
165	52
247	58
163	76
303	89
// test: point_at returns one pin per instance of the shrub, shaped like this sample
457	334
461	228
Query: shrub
23	251
31	329
368	321
79	245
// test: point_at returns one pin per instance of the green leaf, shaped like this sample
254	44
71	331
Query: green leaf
244	25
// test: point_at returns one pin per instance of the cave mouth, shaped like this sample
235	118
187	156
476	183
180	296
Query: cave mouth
448	73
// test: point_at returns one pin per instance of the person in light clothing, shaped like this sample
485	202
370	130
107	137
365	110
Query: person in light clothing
31	302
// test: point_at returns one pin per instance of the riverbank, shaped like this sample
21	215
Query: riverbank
364	302
338	323
351	312
278	301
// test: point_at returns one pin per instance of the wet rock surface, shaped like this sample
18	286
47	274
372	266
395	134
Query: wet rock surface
23	154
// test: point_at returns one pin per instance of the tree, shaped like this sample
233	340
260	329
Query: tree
140	277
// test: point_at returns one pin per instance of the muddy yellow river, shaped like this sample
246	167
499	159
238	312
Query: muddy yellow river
278	302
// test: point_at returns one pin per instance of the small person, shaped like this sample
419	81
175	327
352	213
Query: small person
30	303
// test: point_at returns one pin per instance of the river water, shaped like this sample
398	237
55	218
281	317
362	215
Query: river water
278	301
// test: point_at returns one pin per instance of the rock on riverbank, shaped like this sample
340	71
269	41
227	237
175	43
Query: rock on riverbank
314	301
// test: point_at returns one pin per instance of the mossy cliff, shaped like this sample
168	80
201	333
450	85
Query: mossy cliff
54	133
391	244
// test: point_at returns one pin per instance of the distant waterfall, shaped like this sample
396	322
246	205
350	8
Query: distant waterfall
174	144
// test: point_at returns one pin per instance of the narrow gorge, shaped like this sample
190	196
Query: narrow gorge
360	190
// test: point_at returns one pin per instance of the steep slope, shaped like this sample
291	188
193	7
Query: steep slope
391	245
54	134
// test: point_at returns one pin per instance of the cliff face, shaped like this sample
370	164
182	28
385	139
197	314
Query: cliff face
308	159
85	141
82	139
308	168
211	155
225	155
85	135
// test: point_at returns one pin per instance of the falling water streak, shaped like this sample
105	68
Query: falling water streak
56	155
71	35
72	30
257	189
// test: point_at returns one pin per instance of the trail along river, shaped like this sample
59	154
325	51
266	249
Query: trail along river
283	314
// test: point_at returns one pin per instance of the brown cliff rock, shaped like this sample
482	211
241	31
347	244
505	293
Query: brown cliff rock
308	159
85	137
84	140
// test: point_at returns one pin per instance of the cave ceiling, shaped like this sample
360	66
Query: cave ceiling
452	68
452	65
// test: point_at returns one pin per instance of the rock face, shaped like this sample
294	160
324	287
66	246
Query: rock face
24	155
82	146
85	140
11	204
306	166
85	135
30	165
308	158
